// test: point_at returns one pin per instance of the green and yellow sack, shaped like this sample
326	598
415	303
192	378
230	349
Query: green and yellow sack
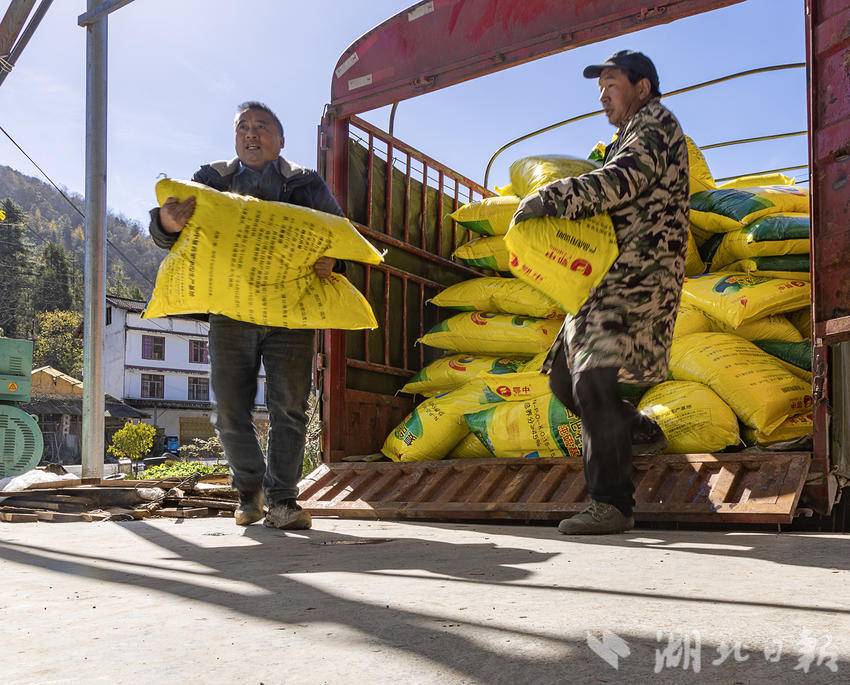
794	356
773	327
252	260
437	425
562	258
756	180
490	216
694	266
536	362
802	320
699	174
770	236
755	385
691	415
734	299
498	295
485	253
790	267
690	319
795	428
483	333
449	373
470	448
530	174
722	211
539	427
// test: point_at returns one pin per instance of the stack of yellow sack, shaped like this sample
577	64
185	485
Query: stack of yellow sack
744	327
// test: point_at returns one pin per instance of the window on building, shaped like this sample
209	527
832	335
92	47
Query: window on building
199	352
108	315
265	393
153	347
199	389
153	385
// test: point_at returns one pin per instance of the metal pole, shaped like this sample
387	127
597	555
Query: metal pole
25	37
94	310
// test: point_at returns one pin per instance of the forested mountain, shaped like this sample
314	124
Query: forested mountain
41	262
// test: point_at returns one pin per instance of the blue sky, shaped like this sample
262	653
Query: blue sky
178	68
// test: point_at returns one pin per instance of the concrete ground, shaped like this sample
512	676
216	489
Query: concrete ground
202	601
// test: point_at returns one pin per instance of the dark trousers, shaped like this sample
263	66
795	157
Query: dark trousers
607	424
236	350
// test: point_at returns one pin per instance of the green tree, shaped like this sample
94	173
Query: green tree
58	342
16	268
134	441
119	285
52	290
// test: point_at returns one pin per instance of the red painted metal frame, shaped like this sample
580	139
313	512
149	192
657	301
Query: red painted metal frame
439	43
828	58
333	140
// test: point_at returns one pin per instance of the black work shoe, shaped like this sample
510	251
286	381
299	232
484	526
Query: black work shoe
288	515
250	508
597	519
648	439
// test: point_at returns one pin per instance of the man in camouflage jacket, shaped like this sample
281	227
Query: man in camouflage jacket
624	330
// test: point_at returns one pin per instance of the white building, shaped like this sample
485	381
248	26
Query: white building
162	367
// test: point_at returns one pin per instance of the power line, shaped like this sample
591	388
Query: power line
77	209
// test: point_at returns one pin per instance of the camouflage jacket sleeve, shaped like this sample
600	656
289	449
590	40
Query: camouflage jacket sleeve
636	165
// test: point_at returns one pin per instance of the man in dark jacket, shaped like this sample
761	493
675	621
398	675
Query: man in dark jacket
237	348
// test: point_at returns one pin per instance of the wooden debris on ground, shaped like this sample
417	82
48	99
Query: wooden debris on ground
92	499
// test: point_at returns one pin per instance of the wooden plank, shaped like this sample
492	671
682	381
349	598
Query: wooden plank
379	485
488	483
516	485
724	483
455	486
50	506
183	512
13	517
647	489
546	488
434	480
351	487
573	492
204	502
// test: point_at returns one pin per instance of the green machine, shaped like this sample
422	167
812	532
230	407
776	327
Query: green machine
21	442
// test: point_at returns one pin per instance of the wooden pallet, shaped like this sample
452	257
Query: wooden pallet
735	488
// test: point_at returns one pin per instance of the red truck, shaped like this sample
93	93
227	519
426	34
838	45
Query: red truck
401	207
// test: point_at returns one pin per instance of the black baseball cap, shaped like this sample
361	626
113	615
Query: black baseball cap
627	59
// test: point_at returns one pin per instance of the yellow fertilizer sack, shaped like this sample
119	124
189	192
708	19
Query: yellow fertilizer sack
437	425
722	211
470	448
486	253
757	180
694	265
499	295
691	415
689	320
755	385
505	190
451	372
539	427
700	175
530	174
791	267
793	429
734	299
802	320
773	327
562	258
770	236
490	216
536	362
253	260
493	334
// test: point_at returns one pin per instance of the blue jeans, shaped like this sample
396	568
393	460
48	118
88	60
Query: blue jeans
236	349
